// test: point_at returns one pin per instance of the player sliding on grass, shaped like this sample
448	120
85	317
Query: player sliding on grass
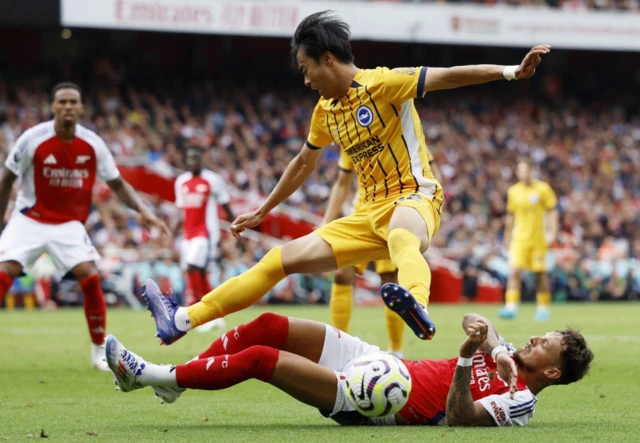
370	114
308	359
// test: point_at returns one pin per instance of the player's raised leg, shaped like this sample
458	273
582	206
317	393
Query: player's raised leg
304	255
408	239
341	303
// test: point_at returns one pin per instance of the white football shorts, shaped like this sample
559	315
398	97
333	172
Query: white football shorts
195	252
339	351
24	240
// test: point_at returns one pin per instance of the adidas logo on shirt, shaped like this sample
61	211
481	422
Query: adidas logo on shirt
50	160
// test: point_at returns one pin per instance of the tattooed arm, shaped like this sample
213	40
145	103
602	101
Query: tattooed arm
461	409
506	366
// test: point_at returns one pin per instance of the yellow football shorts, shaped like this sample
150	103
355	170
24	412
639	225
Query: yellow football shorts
530	257
362	236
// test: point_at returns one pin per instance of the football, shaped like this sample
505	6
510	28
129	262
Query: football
378	385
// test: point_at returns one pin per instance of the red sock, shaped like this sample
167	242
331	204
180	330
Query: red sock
224	371
206	287
195	283
95	308
5	283
270	330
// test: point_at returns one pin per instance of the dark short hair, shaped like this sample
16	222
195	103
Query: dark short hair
576	356
65	85
321	32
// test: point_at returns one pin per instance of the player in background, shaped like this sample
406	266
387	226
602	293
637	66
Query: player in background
58	163
370	114
531	226
489	384
341	302
199	191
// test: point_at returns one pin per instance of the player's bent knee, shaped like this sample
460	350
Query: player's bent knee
516	273
405	217
84	270
12	268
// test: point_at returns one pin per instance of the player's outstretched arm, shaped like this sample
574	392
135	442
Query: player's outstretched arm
296	173
461	410
339	192
6	183
458	76
129	197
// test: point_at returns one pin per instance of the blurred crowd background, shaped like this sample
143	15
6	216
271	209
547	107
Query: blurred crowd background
578	121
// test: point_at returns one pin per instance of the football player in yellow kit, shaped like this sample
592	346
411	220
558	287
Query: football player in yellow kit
530	228
370	114
341	303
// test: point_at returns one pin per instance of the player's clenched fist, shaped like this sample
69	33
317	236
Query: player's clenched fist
245	221
476	335
531	61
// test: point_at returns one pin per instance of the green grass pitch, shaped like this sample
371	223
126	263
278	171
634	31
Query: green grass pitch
46	383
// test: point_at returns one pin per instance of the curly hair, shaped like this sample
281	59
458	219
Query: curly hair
576	356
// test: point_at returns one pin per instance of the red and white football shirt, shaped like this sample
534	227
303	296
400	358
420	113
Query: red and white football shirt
199	196
431	380
57	178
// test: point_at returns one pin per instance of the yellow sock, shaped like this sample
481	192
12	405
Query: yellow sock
413	271
29	302
340	306
512	296
543	299
10	302
239	292
395	329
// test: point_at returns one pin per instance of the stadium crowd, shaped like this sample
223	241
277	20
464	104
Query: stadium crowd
589	155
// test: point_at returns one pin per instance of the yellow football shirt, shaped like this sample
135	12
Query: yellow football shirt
528	205
377	126
346	164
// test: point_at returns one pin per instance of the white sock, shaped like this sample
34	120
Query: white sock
511	306
396	354
163	375
182	320
543	308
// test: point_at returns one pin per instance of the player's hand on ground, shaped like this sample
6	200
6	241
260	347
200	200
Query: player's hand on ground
245	221
476	335
531	61
508	371
150	221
